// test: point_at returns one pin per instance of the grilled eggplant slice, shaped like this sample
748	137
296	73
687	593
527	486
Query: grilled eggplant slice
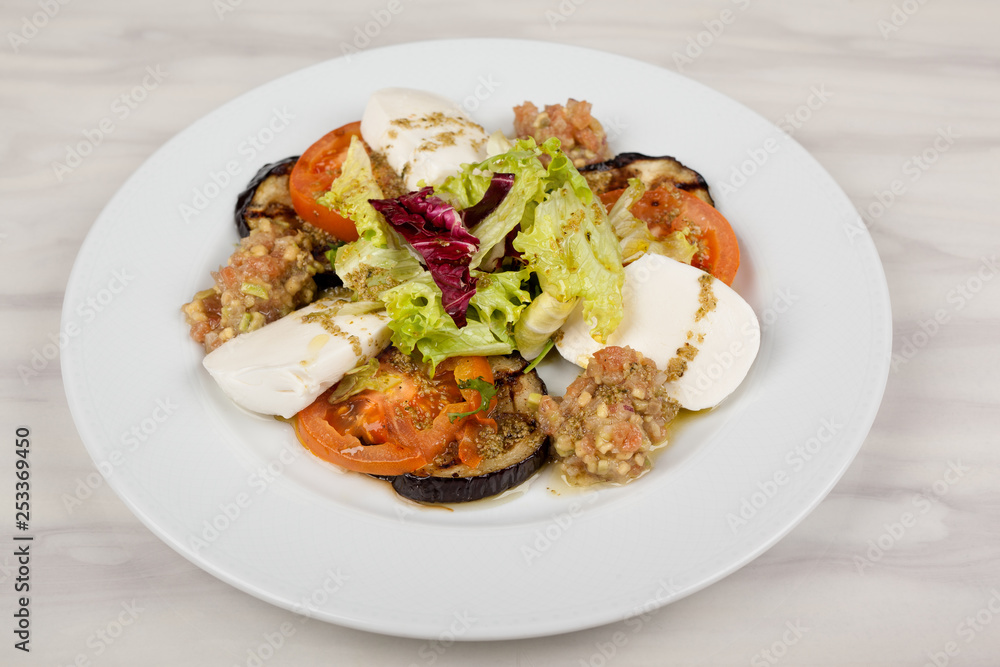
522	448
266	196
652	171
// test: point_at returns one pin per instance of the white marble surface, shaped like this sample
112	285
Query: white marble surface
895	74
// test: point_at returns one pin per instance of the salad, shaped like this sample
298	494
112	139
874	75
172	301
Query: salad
397	283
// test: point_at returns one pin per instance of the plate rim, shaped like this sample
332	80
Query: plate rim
77	408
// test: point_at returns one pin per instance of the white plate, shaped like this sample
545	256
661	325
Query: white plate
344	548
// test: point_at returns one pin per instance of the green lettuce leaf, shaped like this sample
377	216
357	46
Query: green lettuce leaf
370	270
349	194
419	321
540	320
379	260
561	172
634	235
564	237
575	253
365	376
532	181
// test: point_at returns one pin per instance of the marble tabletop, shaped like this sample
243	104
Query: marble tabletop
900	565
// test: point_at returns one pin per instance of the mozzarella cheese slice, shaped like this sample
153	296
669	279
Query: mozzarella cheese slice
693	326
282	367
424	137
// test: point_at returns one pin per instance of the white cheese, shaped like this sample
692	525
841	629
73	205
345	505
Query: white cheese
424	137
282	367
661	302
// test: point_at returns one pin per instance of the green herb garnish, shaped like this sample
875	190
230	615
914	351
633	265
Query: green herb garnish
541	355
487	390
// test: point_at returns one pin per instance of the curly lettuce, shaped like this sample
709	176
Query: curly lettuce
419	320
634	235
437	232
532	182
380	259
575	254
557	225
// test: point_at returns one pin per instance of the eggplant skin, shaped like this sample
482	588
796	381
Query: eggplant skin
266	195
526	447
447	489
652	171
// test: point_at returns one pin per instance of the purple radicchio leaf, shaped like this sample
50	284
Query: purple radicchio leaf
436	231
500	185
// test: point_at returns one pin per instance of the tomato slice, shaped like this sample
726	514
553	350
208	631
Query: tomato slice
311	178
403	428
667	209
470	368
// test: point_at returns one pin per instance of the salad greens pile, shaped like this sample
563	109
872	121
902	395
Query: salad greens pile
538	244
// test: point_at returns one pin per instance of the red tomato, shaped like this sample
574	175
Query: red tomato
668	209
403	428
311	178
470	368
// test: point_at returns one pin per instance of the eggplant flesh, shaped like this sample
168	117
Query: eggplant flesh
266	196
652	171
525	446
451	485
